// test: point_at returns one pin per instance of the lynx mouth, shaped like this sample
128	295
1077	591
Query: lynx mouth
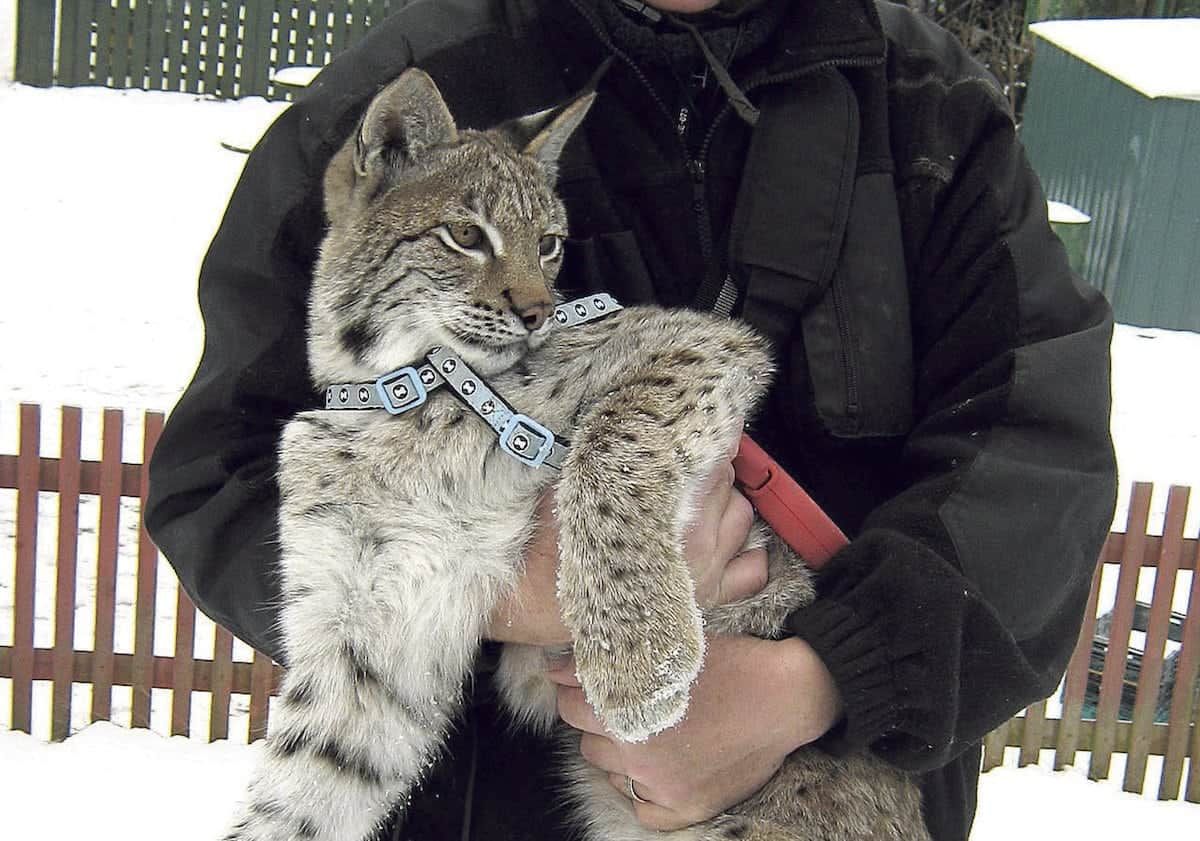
489	355
478	342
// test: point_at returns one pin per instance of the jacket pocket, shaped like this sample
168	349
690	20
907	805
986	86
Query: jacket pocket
610	262
858	336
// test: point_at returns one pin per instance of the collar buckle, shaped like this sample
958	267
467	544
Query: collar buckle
526	440
401	390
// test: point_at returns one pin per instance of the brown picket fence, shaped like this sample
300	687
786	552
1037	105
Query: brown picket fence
1137	736
110	479
1106	733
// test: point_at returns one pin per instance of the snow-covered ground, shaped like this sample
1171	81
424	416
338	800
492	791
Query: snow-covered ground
110	784
110	199
124	785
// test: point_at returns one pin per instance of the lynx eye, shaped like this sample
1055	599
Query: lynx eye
466	235
549	246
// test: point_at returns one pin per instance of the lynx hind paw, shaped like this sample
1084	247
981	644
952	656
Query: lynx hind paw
645	688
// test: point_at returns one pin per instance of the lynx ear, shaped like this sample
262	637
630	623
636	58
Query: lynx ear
403	121
543	135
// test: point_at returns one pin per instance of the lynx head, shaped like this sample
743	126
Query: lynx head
437	237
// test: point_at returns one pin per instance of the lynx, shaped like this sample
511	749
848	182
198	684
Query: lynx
400	533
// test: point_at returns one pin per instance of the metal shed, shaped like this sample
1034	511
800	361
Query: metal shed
1112	126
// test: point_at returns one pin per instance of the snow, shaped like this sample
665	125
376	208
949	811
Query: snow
1154	417
110	201
1036	802
127	785
110	784
112	198
295	76
1156	57
1061	213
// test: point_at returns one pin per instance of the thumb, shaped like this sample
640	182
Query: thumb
744	576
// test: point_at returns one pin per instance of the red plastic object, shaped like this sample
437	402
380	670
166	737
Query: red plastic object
786	507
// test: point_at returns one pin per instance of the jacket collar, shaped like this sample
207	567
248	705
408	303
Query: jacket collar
829	31
813	32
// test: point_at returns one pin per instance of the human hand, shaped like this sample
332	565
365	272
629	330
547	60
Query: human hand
530	614
722	574
754	703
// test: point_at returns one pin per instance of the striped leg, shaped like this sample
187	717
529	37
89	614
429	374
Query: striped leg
377	658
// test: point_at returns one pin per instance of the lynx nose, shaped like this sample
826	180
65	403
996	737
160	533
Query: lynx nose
532	305
533	316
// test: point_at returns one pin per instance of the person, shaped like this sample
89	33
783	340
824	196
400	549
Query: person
844	177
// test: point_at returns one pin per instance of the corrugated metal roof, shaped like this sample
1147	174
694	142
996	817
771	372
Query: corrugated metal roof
1156	57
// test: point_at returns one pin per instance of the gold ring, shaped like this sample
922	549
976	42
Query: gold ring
633	792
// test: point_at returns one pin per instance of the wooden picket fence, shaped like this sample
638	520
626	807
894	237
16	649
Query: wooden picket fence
111	478
226	48
1142	737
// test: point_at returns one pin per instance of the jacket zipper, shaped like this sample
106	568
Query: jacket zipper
849	368
694	166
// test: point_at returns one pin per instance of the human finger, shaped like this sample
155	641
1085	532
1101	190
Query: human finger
654	816
544	539
713	499
705	556
530	613
736	443
561	670
744	576
732	530
601	752
737	518
630	789
574	709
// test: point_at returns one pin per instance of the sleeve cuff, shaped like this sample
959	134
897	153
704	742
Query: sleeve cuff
857	655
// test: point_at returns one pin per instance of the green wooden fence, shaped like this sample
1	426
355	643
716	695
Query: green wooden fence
225	48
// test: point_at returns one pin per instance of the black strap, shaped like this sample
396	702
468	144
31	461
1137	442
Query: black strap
790	216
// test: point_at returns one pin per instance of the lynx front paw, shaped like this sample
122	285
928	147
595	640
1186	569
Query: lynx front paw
644	688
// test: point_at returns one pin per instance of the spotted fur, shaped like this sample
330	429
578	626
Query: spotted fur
400	535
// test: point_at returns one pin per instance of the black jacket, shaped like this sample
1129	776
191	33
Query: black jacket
944	383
